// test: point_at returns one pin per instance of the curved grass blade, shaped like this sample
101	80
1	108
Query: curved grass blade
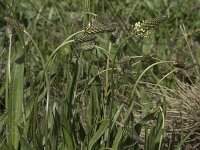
117	139
99	133
15	99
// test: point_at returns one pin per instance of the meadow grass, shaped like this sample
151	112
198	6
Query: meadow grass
93	75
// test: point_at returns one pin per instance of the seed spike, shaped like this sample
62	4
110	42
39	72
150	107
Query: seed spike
84	38
103	21
9	31
14	23
95	28
115	35
87	47
144	28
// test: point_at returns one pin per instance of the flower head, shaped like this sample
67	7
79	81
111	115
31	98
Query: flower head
144	28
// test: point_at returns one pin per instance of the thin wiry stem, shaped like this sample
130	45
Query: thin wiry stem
183	30
65	42
107	66
161	81
8	77
136	83
163	126
47	83
111	100
9	55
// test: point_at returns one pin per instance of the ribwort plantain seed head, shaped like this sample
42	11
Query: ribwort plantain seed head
144	28
94	28
84	38
103	21
115	35
9	31
87	47
15	24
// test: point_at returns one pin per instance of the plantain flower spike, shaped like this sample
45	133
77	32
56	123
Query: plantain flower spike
144	28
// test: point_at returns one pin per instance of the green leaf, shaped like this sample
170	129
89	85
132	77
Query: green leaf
117	139
3	120
99	133
68	138
3	144
24	144
143	121
148	47
15	100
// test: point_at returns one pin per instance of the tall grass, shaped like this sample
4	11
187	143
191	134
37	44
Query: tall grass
102	75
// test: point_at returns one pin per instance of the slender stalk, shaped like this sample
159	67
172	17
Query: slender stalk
157	84
183	30
107	67
113	88
163	126
48	87
111	99
8	77
9	55
136	83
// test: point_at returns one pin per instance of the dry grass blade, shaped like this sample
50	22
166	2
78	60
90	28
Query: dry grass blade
183	116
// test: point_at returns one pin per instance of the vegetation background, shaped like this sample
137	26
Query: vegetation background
135	93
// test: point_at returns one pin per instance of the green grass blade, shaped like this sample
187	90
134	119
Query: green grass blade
15	99
67	138
117	139
99	133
